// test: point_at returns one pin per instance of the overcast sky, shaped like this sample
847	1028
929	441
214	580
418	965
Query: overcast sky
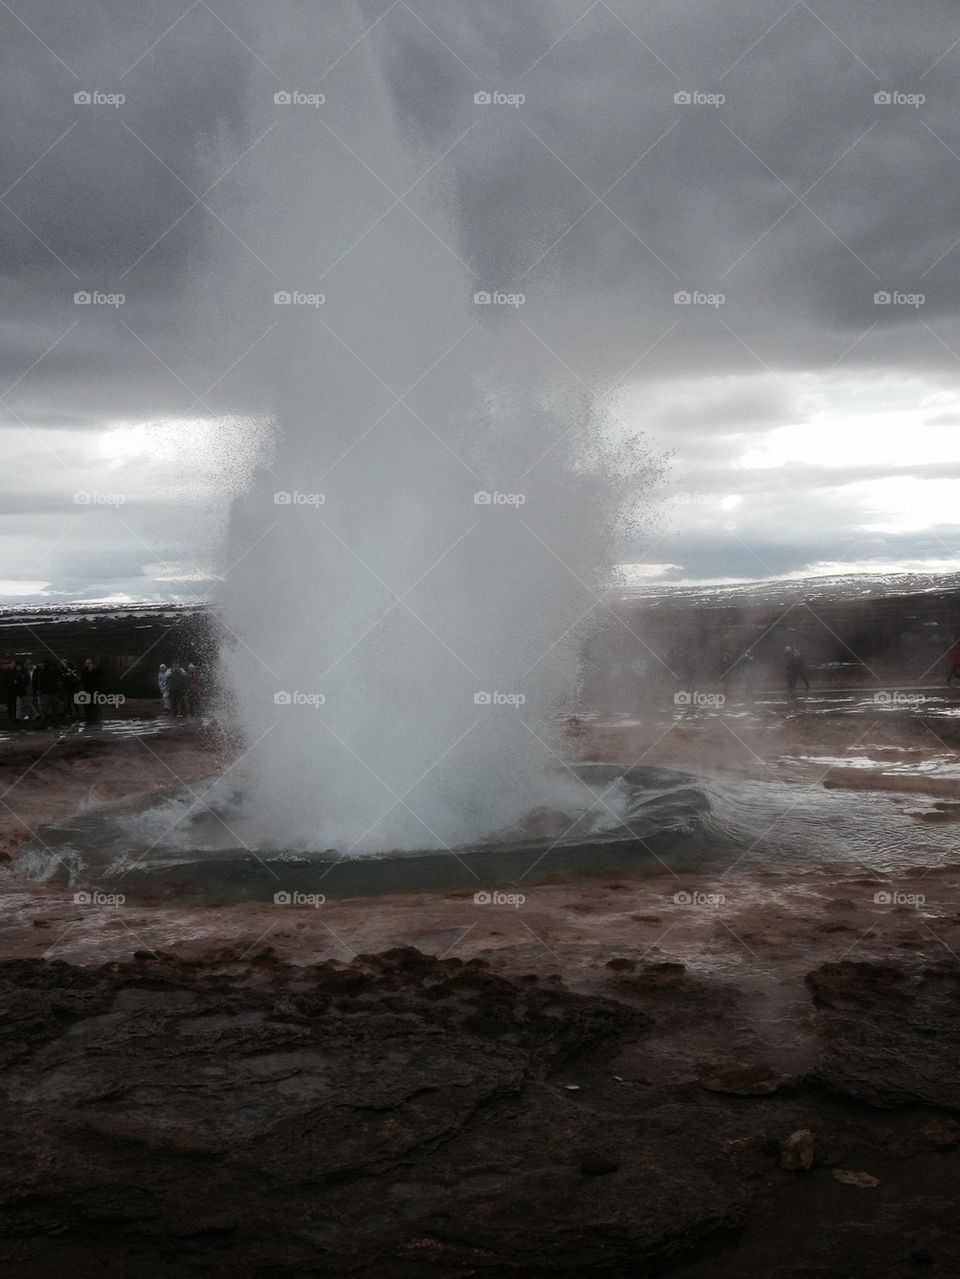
734	224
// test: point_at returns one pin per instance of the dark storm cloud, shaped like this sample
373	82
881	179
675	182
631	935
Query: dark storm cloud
600	198
715	198
99	211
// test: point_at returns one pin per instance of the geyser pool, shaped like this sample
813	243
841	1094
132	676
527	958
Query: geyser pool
174	847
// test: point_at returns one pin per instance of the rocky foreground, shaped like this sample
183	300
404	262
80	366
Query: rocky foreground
609	1080
402	1115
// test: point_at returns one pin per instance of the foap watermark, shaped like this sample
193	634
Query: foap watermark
692	897
296	98
689	498
498	499
499	699
494	897
85	297
696	98
285	498
712	701
893	897
685	298
293	898
297	298
488	297
894	98
96	98
99	699
884	298
494	98
315	700
899	699
94	897
89	497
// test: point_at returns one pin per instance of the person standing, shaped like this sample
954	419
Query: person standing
178	685
70	685
48	692
91	684
163	683
10	690
27	706
20	692
795	669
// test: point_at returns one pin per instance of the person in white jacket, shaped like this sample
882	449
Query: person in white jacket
163	682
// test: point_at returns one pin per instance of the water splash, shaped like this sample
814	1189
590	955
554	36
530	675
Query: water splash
409	573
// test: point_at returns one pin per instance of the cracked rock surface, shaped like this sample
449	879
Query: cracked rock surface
403	1115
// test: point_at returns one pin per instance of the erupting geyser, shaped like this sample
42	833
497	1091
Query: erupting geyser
436	515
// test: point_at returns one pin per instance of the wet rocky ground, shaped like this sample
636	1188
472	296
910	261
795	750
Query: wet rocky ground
404	1115
749	1073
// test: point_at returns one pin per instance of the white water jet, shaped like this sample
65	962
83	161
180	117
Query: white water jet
400	647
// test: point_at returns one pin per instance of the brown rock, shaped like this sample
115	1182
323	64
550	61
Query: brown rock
744	1081
796	1152
168	1101
850	1178
889	1037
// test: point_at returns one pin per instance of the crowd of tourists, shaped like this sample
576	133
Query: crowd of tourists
55	691
51	691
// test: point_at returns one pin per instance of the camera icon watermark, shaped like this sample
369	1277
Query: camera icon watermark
899	699
284	297
892	897
294	898
493	98
495	897
314	700
683	297
112	700
884	298
706	701
488	297
695	98
894	98
94	897
87	497
484	498
499	699
84	297
295	98
697	900
286	498
689	497
95	98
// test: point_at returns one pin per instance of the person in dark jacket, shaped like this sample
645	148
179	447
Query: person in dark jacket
26	707
70	686
10	690
30	700
795	669
47	683
178	686
20	692
91	686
